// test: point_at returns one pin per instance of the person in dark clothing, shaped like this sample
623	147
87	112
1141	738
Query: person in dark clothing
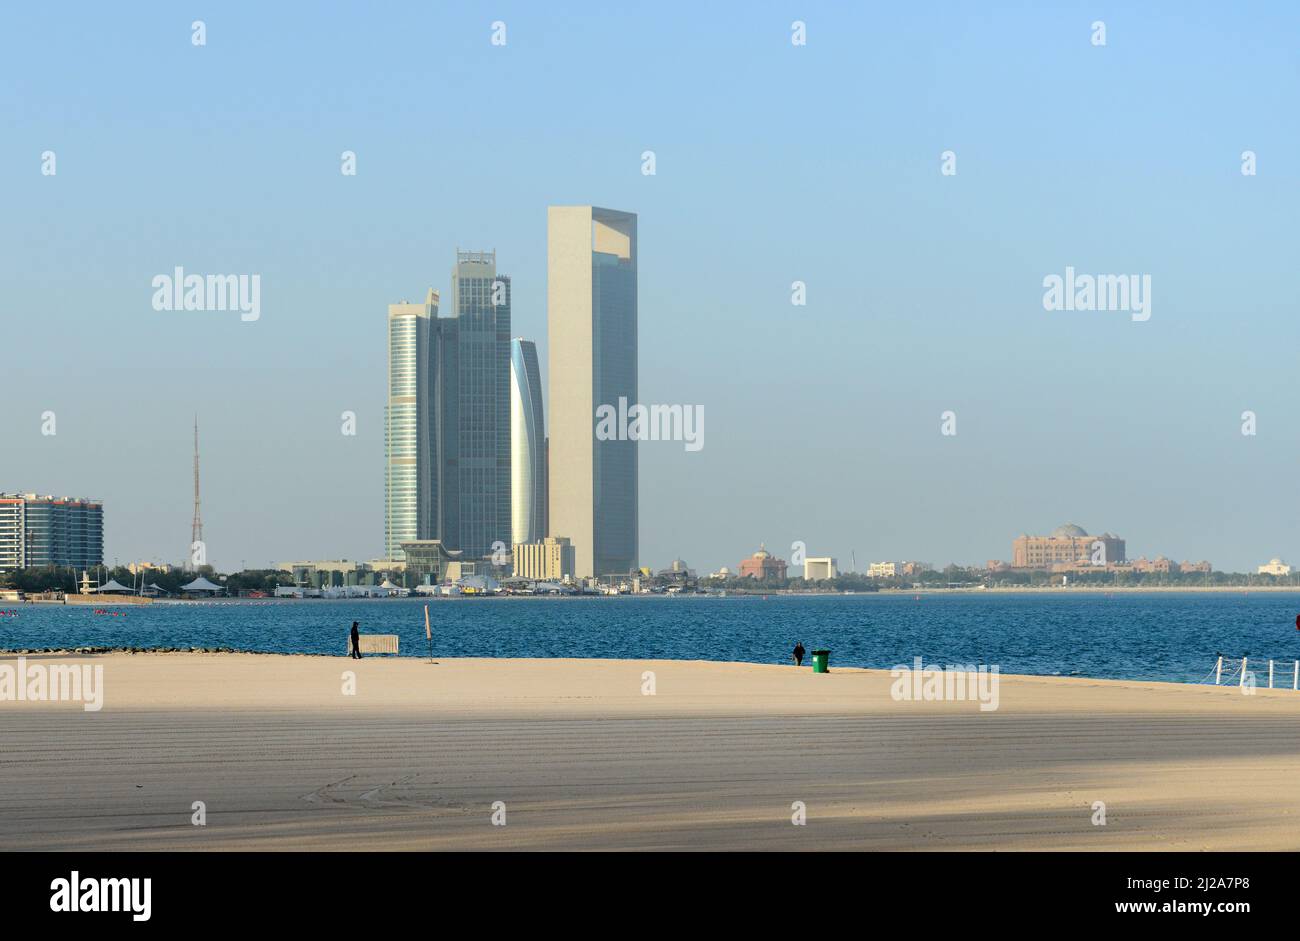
798	653
356	642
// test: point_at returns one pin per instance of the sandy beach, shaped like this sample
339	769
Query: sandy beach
581	759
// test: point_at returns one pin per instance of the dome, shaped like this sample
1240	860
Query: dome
762	552
1068	531
724	571
1274	561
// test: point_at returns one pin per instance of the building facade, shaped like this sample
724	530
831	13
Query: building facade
591	297
427	562
762	565
550	559
326	572
527	445
472	409
447	434
1157	566
40	530
1067	545
1140	566
408	425
884	570
815	570
1274	567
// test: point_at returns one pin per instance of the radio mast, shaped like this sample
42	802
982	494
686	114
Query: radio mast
196	532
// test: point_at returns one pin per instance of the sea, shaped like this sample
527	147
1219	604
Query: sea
1147	636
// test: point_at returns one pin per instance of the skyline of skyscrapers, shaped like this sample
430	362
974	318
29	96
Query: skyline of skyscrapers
447	421
527	445
591	300
467	457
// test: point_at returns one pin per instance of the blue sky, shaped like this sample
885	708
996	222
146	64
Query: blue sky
774	163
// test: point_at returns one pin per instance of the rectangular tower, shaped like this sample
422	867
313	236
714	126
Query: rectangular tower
409	483
591	295
37	531
472	393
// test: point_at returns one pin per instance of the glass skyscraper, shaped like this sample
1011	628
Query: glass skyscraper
472	409
408	477
591	296
527	445
447	422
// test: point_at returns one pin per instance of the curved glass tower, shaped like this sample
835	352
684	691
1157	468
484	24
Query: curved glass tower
527	445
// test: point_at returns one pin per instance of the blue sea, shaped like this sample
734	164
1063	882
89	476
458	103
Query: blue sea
1157	636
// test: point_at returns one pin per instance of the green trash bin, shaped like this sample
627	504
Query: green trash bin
821	661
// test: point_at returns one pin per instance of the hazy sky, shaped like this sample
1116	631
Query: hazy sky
774	163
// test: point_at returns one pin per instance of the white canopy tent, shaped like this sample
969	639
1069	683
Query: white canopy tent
202	584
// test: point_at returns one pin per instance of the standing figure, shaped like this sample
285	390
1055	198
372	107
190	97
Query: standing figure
356	642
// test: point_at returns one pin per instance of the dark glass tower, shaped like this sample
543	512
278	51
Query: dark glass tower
472	409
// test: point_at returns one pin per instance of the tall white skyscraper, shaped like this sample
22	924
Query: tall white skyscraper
591	297
408	477
527	445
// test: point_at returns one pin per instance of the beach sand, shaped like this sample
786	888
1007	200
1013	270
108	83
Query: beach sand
416	759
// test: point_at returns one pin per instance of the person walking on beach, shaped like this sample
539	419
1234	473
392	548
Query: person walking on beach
356	642
798	653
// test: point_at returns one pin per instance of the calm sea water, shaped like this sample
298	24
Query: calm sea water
1154	636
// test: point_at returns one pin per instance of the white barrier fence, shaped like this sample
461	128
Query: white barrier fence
374	643
1283	670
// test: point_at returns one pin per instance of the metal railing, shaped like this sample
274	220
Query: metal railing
1239	670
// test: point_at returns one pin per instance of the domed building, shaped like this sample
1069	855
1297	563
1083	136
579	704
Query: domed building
1068	544
762	564
1274	567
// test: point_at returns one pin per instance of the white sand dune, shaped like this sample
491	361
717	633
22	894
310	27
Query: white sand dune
416	759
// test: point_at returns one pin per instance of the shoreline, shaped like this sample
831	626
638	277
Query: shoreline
37	653
731	594
1098	589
